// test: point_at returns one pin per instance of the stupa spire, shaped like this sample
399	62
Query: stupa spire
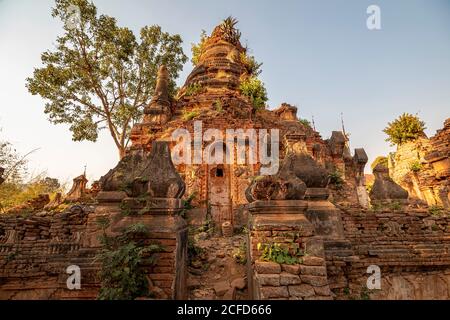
158	112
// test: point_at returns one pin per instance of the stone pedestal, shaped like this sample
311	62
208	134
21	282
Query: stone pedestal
170	231
165	227
283	222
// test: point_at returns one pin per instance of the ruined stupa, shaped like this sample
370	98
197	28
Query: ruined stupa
211	95
313	209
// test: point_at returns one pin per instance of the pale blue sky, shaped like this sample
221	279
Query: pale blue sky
318	55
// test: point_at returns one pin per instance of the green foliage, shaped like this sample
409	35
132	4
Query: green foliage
123	258
187	204
189	115
305	122
11	256
250	63
395	206
197	49
379	160
376	207
208	226
240	254
254	89
13	194
193	89
436	210
193	250
228	30
280	254
218	106
100	76
416	166
405	128
346	291
365	293
336	179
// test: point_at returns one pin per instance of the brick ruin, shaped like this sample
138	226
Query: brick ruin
429	181
332	226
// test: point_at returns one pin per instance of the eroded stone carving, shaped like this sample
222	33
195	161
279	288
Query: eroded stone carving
163	179
384	188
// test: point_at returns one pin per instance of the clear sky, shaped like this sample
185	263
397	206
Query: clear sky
318	55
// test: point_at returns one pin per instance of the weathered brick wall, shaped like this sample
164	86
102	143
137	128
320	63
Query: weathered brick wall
36	250
411	247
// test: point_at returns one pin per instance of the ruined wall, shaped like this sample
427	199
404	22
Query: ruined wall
422	167
284	223
411	246
35	251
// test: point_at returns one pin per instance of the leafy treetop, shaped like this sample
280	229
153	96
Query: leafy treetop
100	76
405	128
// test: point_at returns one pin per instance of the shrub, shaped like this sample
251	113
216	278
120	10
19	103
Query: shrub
395	206
193	89
254	89
193	250
280	254
305	122
187	204
436	210
189	115
218	106
405	128
122	258
197	49
336	179
13	194
228	30
380	160
416	166
252	66
240	254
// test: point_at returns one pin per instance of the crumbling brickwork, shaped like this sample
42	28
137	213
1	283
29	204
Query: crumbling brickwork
284	223
410	246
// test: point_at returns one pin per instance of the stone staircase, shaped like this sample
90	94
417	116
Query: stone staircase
214	273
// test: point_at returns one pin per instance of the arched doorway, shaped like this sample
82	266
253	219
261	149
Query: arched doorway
219	190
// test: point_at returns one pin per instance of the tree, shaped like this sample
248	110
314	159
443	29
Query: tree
100	76
405	128
12	163
254	89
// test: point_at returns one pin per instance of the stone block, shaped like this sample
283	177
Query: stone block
222	287
293	269
302	290
274	292
313	261
313	270
289	279
267	267
322	291
316	281
269	279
